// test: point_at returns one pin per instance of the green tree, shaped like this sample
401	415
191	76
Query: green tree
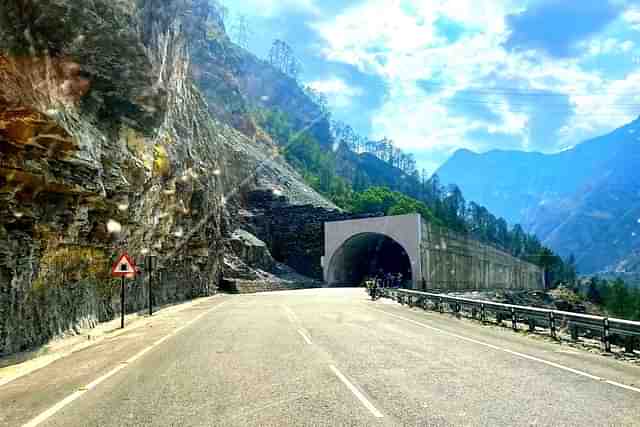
593	291
383	200
619	301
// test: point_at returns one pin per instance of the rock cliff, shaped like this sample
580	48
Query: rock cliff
107	143
127	125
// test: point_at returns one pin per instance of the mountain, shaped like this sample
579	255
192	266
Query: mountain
583	201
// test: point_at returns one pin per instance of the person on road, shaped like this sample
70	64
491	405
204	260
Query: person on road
374	289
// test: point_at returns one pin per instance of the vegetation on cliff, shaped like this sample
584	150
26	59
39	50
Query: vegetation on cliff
618	298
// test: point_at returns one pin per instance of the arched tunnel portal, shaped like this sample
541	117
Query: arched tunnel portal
366	255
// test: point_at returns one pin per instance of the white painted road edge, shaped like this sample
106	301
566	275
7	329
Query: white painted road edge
515	353
74	396
171	309
361	397
305	336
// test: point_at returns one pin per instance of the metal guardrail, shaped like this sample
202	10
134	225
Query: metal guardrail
576	323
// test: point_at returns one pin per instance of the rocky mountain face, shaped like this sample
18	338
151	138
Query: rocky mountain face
584	201
122	127
105	146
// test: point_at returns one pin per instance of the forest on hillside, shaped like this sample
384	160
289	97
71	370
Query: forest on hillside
614	295
445	206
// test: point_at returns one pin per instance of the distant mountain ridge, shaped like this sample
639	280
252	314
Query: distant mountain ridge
585	200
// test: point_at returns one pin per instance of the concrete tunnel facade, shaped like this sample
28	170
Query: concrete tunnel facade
428	256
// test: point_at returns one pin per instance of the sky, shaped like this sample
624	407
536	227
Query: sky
436	76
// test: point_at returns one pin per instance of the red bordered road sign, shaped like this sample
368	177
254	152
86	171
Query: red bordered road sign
124	267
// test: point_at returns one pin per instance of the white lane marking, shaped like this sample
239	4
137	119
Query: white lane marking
290	314
415	354
515	353
304	335
361	397
67	400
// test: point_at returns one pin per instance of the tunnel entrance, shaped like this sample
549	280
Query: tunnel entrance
364	255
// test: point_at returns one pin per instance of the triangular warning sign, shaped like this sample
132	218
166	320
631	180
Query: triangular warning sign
123	267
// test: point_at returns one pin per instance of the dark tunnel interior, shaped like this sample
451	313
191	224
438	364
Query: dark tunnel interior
366	255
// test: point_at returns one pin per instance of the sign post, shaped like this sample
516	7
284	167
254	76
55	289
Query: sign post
123	268
150	263
150	273
122	303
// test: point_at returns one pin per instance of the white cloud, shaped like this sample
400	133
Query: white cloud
412	50
632	18
270	8
612	104
608	46
378	27
337	91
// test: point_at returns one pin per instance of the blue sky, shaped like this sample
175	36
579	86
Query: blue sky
439	75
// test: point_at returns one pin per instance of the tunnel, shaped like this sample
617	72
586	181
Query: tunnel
365	255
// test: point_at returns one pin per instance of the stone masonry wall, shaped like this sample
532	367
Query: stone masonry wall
294	233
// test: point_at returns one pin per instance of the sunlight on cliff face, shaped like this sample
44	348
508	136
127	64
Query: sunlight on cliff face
114	227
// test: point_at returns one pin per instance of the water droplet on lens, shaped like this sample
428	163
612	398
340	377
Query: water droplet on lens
114	226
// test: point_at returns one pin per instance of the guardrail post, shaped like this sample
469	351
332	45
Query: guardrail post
458	309
574	332
425	303
474	312
605	336
630	344
552	324
482	313
441	304
532	324
499	318
410	301
514	319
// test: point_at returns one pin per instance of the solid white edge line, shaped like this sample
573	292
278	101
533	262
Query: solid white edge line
357	393
67	400
304	335
515	353
53	359
55	408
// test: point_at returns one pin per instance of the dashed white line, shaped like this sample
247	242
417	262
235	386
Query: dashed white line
361	397
416	354
293	318
304	336
69	399
515	353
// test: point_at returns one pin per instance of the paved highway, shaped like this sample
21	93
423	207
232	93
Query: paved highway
327	357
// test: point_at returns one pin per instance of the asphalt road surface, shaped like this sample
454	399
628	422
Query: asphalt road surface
327	357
